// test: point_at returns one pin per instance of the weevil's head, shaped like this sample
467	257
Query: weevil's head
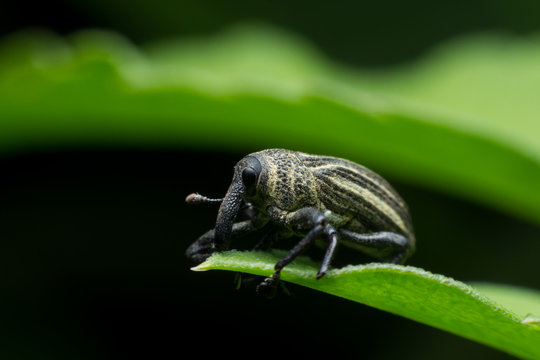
244	185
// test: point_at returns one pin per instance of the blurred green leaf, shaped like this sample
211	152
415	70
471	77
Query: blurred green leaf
462	120
521	301
403	290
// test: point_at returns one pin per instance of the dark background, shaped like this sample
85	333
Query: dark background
92	239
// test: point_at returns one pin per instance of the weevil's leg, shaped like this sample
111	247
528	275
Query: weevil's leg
385	245
300	220
274	234
306	218
203	247
332	236
299	248
268	286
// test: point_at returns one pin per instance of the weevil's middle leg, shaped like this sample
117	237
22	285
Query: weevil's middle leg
311	218
318	224
329	255
268	286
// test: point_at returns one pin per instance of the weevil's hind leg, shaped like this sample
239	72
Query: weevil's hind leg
387	246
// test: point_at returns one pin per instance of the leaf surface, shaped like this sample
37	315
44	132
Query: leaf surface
407	291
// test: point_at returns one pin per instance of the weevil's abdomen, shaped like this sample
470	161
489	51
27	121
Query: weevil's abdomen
347	188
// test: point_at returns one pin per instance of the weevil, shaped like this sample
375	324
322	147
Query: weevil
313	198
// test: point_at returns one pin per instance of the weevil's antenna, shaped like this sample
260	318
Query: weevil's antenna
201	199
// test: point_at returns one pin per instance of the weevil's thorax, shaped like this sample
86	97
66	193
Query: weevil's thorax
284	181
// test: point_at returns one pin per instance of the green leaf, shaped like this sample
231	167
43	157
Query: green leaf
406	291
462	120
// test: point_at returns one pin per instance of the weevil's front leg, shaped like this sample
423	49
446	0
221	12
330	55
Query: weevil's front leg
384	245
204	246
299	221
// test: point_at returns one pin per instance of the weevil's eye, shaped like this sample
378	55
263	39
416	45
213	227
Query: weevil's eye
251	169
249	177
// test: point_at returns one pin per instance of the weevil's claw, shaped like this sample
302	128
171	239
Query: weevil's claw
268	286
320	274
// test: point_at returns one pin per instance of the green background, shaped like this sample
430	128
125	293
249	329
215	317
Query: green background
93	224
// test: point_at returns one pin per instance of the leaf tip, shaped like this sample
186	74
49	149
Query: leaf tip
204	266
531	320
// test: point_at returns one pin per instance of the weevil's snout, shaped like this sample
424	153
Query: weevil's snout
244	183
